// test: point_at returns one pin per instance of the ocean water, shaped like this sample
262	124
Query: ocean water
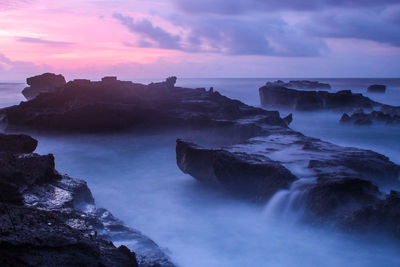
135	176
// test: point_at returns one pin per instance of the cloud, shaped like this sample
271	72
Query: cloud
42	41
232	7
383	26
154	36
9	4
229	36
19	70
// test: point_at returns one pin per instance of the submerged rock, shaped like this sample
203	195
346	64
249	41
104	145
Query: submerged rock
48	219
300	84
376	88
44	83
273	96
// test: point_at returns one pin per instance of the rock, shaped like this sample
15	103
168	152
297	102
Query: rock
44	83
376	88
361	118
48	219
243	175
303	84
288	119
281	97
17	143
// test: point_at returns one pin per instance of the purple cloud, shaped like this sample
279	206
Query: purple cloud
42	41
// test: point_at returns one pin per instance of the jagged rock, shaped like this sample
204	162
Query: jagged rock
376	88
44	83
17	143
112	105
241	174
272	96
288	119
48	219
361	118
303	84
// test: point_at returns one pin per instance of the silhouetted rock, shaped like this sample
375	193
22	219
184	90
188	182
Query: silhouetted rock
48	219
288	119
243	175
376	88
17	143
44	83
361	118
112	105
300	84
272	96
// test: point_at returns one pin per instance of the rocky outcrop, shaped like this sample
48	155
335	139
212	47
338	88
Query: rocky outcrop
361	118
248	176
48	219
17	143
329	183
112	105
301	84
376	88
44	83
272	96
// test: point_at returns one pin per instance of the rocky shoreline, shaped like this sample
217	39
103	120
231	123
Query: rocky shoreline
49	219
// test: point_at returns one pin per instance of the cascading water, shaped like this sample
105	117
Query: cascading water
289	203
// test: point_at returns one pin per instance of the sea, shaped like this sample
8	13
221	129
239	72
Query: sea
135	176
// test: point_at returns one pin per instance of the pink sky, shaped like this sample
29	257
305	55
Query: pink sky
84	38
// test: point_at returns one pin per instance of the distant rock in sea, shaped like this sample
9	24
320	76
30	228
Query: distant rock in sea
44	83
301	84
376	88
361	118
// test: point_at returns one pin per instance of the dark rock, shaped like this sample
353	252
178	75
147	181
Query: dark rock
288	119
376	88
17	143
45	83
112	105
361	118
243	175
303	84
281	97
48	219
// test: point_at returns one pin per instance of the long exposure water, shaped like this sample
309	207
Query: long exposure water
135	176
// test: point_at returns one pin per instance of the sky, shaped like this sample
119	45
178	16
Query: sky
193	38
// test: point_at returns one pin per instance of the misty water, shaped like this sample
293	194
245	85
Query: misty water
135	176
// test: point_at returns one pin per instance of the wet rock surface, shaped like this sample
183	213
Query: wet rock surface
49	219
301	84
362	118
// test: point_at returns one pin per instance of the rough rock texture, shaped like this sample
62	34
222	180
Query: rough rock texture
376	88
248	176
300	84
44	83
112	105
361	118
272	96
48	219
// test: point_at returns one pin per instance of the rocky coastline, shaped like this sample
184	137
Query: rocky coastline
49	219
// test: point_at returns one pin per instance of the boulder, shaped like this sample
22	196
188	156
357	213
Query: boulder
273	96
243	175
17	143
44	83
376	88
301	84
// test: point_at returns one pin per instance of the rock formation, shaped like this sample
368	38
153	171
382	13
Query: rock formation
376	88
49	219
361	118
301	84
272	96
45	83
